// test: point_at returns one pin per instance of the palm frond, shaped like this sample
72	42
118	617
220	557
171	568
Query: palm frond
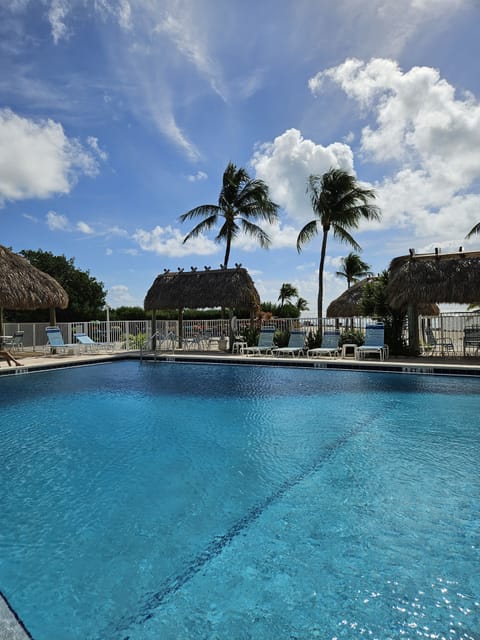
200	212
256	232
309	231
342	234
204	225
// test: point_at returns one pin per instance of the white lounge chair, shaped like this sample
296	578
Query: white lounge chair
374	342
296	345
265	342
90	346
329	346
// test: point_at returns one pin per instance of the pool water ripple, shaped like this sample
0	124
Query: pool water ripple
217	545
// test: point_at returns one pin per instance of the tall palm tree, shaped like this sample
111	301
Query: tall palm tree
241	200
339	203
354	268
287	292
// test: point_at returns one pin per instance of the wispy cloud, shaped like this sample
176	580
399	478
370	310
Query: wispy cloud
56	221
85	228
200	175
57	13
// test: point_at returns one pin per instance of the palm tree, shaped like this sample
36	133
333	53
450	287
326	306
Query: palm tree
339	203
475	229
354	268
287	292
241	200
302	304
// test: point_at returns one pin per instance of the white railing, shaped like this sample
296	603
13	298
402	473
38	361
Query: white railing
134	334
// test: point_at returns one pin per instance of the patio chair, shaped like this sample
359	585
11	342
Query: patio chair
329	346
55	343
374	342
296	345
90	346
15	342
471	339
437	345
265	342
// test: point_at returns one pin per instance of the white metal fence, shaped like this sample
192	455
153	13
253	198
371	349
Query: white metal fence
134	334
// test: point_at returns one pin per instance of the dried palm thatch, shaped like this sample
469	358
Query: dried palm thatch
23	286
203	289
347	305
449	278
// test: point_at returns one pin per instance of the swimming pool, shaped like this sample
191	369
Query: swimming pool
176	501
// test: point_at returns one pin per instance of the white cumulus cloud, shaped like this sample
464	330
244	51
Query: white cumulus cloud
431	134
286	163
119	295
168	241
37	159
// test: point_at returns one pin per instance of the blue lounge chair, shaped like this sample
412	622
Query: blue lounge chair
90	346
55	343
265	342
296	345
374	342
329	346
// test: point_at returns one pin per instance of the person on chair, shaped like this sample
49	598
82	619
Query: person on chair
6	355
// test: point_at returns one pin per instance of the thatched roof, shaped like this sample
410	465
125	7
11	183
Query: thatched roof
347	305
203	289
23	286
431	278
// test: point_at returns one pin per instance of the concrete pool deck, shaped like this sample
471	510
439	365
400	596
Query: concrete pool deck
454	365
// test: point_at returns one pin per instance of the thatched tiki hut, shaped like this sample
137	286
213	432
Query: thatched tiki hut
347	305
23	286
232	288
432	278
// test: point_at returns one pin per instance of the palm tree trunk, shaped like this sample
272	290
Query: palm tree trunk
320	277
227	252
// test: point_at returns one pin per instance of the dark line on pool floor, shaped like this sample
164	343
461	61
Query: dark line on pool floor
173	583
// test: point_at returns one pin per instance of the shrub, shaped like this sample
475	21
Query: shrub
314	339
352	336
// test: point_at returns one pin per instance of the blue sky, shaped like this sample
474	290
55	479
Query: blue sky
117	116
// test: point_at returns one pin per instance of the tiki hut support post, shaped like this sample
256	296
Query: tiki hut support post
413	334
232	329
180	327
1	321
53	317
153	329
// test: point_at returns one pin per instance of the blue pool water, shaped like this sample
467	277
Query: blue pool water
176	502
